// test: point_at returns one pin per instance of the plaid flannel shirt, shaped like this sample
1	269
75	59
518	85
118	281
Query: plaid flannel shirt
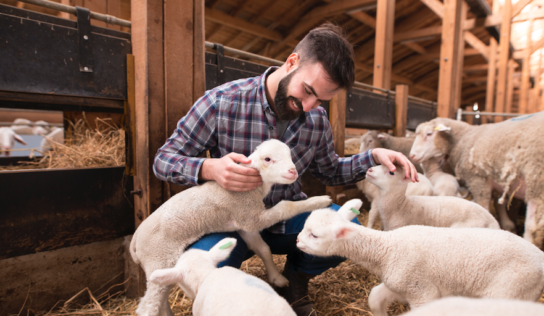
236	117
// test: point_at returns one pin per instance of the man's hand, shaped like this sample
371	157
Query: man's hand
229	174
389	158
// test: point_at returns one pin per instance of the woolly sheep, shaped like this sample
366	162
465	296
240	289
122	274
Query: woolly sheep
223	291
372	193
22	127
375	139
419	264
504	156
463	306
444	184
56	136
7	140
160	240
398	210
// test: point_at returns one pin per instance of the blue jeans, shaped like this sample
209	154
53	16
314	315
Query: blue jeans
280	244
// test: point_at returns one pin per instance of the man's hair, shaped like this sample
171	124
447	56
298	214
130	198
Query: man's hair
327	45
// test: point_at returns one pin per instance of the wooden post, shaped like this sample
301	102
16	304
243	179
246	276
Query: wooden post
526	68
492	68
503	58
169	69
449	58
510	86
460	60
401	110
337	119
536	105
383	51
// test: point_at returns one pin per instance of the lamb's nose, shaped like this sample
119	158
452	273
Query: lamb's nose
369	170
293	171
412	156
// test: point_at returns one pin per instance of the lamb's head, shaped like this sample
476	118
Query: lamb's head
324	228
7	140
433	139
193	266
371	140
273	160
387	180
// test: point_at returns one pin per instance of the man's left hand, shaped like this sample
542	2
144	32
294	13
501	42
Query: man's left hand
389	158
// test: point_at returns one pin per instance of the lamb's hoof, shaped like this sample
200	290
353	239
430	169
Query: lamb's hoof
320	201
279	281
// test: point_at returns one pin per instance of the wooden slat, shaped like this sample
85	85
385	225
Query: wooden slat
335	8
520	5
242	25
383	56
510	86
526	67
436	6
479	67
401	110
199	63
449	58
364	18
475	42
337	118
491	75
533	14
504	47
460	60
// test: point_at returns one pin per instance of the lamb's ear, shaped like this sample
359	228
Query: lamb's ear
442	128
166	276
221	251
343	231
381	136
350	209
19	138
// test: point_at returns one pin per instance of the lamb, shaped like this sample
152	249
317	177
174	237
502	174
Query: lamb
504	156
397	209
56	136
22	127
160	240
419	264
223	291
444	184
372	193
455	306
375	139
7	140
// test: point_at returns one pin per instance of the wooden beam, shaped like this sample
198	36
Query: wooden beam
475	42
415	47
520	5
401	110
504	48
364	18
337	118
510	86
242	25
383	52
478	67
335	8
491	74
460	59
533	14
526	67
449	57
436	6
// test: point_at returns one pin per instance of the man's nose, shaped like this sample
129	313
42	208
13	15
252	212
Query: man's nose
310	103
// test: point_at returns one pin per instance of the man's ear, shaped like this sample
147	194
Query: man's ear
292	61
442	128
166	276
343	231
221	251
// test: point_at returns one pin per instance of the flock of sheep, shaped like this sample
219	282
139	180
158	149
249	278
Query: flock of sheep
434	244
10	135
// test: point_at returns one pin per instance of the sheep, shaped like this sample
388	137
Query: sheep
504	156
444	184
41	128
455	306
372	193
397	209
183	219
22	127
223	291
419	264
7	140
56	136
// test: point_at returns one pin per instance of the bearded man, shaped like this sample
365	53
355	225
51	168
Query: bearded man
283	103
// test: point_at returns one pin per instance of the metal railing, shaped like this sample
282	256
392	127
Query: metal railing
460	113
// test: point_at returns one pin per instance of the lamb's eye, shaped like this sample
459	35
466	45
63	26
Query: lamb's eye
429	133
267	159
314	236
391	173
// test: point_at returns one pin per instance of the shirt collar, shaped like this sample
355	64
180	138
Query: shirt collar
262	88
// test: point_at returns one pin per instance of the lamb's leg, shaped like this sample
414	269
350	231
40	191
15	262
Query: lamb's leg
379	299
480	189
504	220
256	244
287	209
154	300
372	214
531	223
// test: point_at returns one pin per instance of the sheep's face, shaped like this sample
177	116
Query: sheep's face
273	160
316	238
371	140
431	141
384	179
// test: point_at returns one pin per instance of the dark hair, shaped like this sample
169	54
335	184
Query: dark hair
327	45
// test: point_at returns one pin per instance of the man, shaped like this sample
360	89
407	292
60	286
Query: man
283	103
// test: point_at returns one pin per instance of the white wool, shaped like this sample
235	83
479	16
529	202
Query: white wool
419	264
7	140
459	306
444	184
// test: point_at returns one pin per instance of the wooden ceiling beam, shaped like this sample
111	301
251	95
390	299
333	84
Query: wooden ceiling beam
242	25
520	5
533	14
335	8
477	44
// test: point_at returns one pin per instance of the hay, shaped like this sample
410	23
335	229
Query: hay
102	147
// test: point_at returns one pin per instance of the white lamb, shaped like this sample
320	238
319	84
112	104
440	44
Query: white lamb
419	264
22	127
398	210
7	140
161	239
444	184
372	193
221	291
463	306
56	136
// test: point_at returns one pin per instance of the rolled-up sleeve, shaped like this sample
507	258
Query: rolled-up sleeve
177	161
331	169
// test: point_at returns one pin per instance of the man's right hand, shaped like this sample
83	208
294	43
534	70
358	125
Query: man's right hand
229	174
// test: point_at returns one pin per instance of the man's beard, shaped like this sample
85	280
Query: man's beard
281	100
